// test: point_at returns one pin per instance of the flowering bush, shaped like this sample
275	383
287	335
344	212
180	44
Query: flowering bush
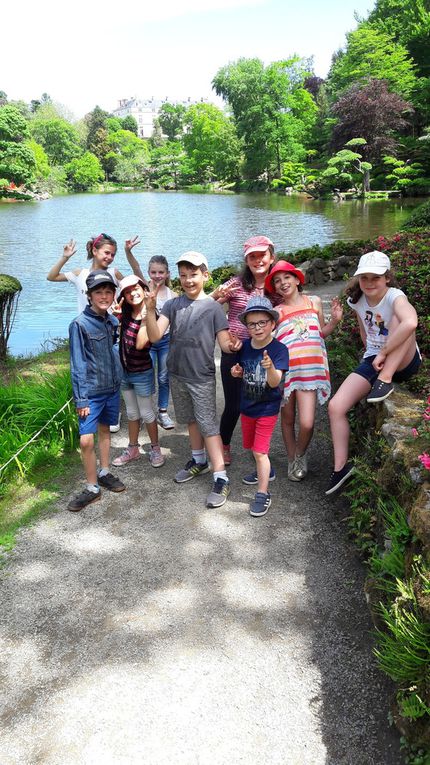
422	431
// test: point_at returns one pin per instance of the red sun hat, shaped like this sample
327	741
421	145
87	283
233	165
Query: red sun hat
282	265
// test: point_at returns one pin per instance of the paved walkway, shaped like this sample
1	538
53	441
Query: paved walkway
149	629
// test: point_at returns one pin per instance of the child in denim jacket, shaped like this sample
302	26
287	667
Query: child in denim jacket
96	376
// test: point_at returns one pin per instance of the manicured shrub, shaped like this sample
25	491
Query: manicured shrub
328	252
9	293
420	218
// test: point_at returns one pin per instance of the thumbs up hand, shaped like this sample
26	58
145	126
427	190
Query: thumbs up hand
237	371
266	361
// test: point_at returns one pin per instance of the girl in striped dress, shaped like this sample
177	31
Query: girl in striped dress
137	384
302	328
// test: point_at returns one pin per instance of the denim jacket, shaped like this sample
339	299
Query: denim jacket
94	360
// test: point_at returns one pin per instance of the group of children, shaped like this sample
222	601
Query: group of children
281	363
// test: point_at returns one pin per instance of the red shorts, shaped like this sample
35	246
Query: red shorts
257	432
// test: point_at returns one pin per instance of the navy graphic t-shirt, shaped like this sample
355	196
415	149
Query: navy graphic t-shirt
258	399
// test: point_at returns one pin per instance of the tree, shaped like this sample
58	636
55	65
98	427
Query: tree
131	171
212	145
126	150
371	112
129	123
166	165
273	112
97	131
346	162
171	120
372	54
10	289
59	139
42	168
35	104
403	174
13	126
17	161
84	172
409	24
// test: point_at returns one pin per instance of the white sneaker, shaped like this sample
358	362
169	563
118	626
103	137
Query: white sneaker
115	428
164	420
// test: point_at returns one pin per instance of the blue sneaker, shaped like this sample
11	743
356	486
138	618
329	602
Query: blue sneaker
252	479
261	504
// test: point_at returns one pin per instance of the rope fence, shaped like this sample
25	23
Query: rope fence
36	435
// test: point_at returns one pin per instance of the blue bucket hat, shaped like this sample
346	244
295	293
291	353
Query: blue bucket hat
259	303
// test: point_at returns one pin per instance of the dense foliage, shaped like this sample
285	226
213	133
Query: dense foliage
282	128
420	218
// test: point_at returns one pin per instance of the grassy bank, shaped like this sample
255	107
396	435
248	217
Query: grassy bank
32	392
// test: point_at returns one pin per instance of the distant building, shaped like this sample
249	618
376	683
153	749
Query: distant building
146	111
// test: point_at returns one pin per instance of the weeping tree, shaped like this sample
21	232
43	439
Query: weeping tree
9	294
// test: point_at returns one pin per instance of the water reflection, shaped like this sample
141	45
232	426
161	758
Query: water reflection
32	236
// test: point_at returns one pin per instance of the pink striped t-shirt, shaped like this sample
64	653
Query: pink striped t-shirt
238	302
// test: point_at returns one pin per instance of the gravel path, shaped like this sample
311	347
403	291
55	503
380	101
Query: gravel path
149	629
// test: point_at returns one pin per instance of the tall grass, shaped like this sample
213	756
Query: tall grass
25	408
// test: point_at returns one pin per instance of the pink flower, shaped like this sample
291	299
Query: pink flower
426	416
425	459
414	432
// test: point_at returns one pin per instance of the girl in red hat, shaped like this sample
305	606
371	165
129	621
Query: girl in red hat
302	328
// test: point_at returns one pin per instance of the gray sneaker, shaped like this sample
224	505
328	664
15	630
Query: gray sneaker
301	466
191	470
164	420
291	468
219	493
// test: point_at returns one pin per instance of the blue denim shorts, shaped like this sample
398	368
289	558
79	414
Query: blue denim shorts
366	370
104	409
141	382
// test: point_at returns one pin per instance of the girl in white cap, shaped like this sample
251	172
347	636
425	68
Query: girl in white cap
387	324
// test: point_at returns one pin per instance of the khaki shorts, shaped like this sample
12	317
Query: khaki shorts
195	402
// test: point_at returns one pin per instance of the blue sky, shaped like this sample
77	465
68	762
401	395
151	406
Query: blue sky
88	53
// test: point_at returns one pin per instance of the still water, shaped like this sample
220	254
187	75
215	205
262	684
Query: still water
32	235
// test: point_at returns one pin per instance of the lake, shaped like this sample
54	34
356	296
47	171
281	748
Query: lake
32	235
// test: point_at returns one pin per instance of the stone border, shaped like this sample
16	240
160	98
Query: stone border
319	270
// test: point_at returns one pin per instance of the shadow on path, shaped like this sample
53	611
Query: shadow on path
148	629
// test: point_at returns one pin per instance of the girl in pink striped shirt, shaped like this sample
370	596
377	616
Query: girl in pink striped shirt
259	255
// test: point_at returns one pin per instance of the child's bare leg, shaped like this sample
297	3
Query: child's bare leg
263	471
133	431
288	416
215	452
104	445
196	438
400	357
352	390
89	459
306	403
152	430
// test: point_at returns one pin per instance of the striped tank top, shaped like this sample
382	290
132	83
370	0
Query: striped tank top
299	329
131	359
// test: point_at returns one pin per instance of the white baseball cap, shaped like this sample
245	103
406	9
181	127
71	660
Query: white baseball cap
195	258
373	263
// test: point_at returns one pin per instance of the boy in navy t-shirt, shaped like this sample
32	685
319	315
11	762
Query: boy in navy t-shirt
262	365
